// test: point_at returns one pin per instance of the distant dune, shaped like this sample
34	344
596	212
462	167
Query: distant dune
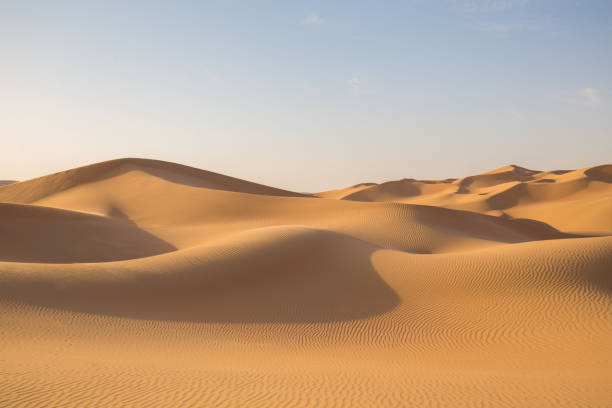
571	200
139	283
5	182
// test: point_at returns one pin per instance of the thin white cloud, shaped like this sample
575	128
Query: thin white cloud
313	19
357	86
591	95
504	27
586	97
489	5
515	113
355	82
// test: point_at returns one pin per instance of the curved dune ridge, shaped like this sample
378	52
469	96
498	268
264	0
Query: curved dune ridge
140	283
30	233
571	200
34	190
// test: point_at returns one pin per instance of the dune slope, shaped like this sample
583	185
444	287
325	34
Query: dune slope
578	201
36	189
30	233
149	284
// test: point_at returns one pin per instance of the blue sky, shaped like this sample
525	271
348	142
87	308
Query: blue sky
307	95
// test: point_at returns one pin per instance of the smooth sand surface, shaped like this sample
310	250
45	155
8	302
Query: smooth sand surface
140	283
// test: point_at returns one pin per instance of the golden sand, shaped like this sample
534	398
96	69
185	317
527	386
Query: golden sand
140	283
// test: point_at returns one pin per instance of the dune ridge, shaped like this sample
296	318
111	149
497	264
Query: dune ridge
140	283
30	191
510	191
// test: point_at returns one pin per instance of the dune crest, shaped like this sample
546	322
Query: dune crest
139	282
553	197
30	191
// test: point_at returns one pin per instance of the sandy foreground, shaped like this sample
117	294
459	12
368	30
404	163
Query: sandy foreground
140	283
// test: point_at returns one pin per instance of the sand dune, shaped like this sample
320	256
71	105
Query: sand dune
31	233
150	284
34	190
554	197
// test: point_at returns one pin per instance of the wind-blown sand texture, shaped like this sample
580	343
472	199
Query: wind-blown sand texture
140	283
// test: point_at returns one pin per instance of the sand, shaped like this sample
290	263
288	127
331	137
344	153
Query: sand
140	283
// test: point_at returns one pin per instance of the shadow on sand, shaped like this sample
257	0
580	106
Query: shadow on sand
308	276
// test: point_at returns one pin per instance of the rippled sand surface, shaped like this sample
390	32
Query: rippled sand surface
139	283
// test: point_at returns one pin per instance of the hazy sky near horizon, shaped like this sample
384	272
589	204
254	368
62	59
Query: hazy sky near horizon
307	95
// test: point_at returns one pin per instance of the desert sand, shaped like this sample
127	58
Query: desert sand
141	283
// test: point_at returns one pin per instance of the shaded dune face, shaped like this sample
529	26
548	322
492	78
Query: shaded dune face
279	274
601	173
145	283
503	229
47	235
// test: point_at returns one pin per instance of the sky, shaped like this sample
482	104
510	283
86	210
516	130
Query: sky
307	95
